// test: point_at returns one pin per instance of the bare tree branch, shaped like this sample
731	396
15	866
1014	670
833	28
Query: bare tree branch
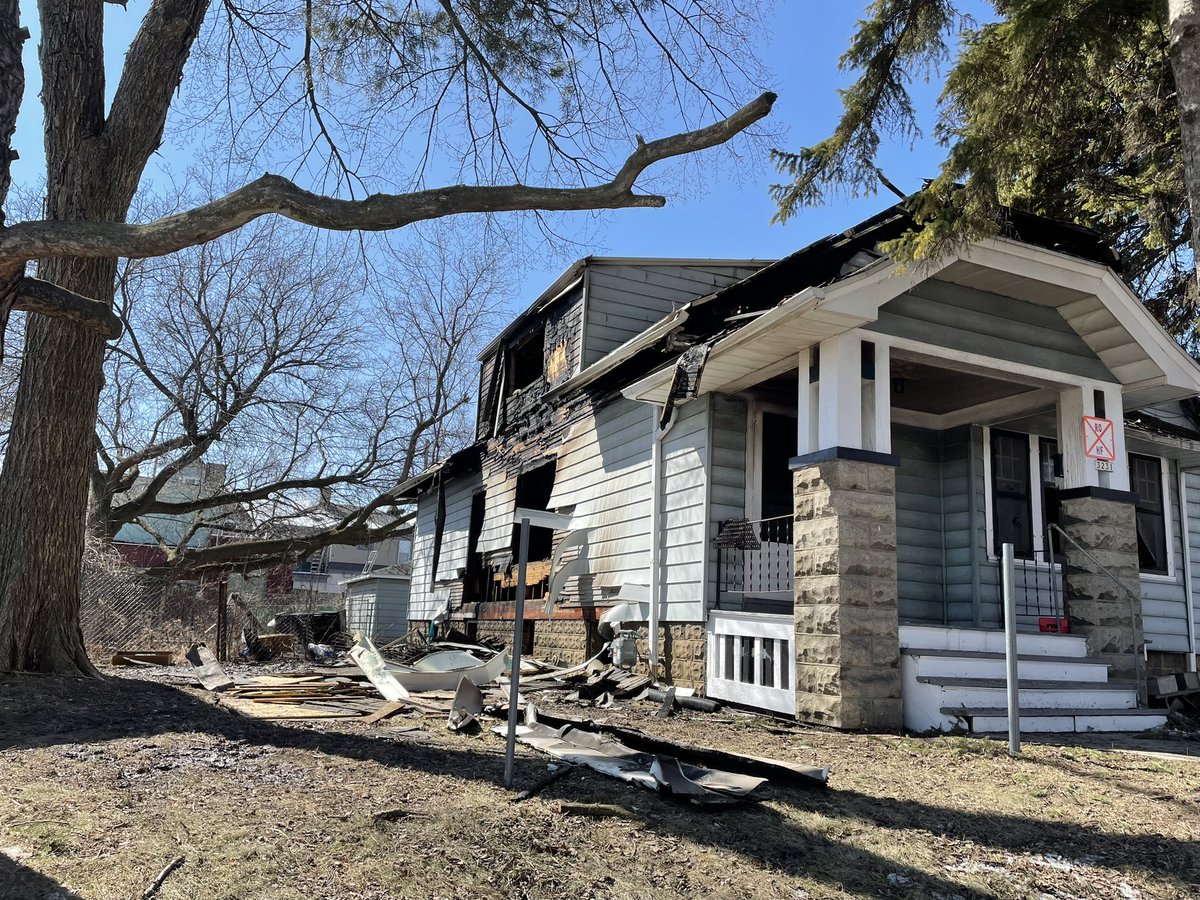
379	212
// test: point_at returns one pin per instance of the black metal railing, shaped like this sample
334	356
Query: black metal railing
754	561
1038	591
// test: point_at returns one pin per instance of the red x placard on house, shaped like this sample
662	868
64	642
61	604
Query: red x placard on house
1099	441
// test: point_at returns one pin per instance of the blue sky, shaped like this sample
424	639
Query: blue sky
730	215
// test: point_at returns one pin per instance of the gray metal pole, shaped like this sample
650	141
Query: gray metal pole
1007	572
510	748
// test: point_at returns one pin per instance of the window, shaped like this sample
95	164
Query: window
526	361
1146	480
533	492
1012	509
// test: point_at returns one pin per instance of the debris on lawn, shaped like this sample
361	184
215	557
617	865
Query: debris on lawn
162	876
594	810
207	670
143	658
375	667
779	771
458	664
467	706
664	774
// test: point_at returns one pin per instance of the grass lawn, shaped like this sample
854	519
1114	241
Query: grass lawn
104	784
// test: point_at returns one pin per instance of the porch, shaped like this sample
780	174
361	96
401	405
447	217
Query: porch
912	423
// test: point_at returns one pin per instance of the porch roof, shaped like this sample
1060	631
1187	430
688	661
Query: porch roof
1090	297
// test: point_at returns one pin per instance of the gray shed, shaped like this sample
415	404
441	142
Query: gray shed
377	603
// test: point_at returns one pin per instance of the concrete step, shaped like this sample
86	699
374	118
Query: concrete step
985	664
1035	694
987	640
994	719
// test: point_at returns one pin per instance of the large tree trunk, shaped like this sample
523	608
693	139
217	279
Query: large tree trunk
44	482
44	487
1185	65
93	167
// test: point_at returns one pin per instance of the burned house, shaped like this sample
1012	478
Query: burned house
793	480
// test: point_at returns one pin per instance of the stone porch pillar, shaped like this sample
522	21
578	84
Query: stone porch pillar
1104	522
846	612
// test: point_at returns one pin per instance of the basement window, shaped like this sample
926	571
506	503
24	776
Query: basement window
526	360
533	492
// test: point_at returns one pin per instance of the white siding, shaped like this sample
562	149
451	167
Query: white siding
1164	607
684	528
604	475
422	604
379	608
1193	512
456	531
500	501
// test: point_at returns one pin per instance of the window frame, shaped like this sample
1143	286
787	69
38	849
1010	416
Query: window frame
755	409
1164	469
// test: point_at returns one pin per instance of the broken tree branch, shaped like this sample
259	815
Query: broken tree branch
378	212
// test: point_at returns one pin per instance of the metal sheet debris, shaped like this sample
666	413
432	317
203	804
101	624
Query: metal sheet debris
610	757
375	667
207	670
482	673
467	706
776	770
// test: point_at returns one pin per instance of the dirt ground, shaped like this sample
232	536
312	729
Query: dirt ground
102	784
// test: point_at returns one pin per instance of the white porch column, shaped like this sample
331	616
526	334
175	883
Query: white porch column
877	400
1078	470
839	395
1118	478
806	404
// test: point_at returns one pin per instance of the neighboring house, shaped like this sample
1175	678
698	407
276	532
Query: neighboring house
325	571
140	546
812	466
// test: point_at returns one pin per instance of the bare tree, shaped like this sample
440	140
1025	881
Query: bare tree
471	78
254	356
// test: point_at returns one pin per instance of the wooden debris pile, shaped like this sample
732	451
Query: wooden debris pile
1178	693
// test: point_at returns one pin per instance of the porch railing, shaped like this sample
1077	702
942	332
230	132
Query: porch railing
1038	591
754	561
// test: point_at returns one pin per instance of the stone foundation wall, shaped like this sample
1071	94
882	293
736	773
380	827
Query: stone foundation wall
680	654
1110	618
847	628
565	642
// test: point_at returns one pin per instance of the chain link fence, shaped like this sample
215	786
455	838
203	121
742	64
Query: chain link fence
125	608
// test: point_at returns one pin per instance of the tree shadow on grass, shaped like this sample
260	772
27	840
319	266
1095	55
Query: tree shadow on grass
18	882
43	711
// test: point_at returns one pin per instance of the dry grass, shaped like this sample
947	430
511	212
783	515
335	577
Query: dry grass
103	785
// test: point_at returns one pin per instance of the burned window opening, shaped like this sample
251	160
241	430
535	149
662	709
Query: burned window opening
533	492
526	361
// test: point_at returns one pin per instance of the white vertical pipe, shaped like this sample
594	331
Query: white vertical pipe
1010	649
656	467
